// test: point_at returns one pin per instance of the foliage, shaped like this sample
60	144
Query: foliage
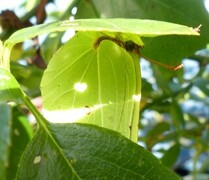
88	151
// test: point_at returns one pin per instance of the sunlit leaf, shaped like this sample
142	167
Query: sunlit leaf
9	87
144	28
1	51
128	27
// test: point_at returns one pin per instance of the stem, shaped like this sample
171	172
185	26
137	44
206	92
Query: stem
39	118
5	61
195	165
42	122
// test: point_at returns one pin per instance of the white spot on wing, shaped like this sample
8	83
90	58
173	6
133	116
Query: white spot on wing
136	97
80	87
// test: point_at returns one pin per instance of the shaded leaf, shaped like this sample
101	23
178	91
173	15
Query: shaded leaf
50	45
38	60
43	160
203	84
5	141
161	80
155	135
159	129
78	151
171	155
82	12
20	136
202	176
28	76
177	115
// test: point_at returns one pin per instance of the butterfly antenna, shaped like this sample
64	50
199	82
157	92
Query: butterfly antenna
174	68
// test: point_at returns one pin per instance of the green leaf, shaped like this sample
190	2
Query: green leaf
28	76
1	52
93	84
20	136
82	12
202	176
171	155
161	80
177	115
144	28
157	132
202	84
9	87
5	141
53	41
78	151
